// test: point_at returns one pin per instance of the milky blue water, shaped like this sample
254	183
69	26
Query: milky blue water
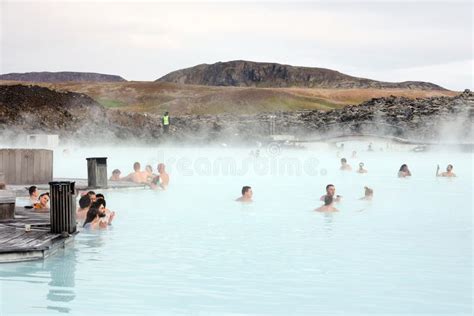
193	250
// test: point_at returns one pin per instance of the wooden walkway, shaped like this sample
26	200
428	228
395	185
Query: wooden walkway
16	244
81	185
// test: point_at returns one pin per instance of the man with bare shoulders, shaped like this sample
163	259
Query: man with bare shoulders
246	195
448	173
331	191
84	205
164	176
137	176
327	207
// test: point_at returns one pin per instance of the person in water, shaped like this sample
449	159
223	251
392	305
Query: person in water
105	214
354	154
331	191
93	221
247	195
368	194
34	194
137	175
92	196
43	203
344	165
404	171
327	207
115	175
84	205
149	173
361	168
448	173
161	180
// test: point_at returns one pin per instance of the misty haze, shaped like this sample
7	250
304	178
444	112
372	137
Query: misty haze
236	158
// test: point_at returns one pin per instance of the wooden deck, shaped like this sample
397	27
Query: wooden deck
16	244
81	185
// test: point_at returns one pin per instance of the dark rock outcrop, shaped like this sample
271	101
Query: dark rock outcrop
26	109
64	76
242	73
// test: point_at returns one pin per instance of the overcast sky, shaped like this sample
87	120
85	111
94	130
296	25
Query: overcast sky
382	40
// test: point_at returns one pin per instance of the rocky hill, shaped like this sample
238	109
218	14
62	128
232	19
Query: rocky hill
31	109
241	73
27	109
63	76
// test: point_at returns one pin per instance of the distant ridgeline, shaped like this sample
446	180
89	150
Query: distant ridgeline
63	76
242	73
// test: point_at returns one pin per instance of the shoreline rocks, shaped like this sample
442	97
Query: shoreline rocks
32	109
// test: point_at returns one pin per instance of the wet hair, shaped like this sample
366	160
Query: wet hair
402	166
361	164
91	215
328	199
161	165
100	196
136	166
84	201
343	160
32	189
90	193
450	165
43	195
98	203
116	171
245	189
328	186
149	168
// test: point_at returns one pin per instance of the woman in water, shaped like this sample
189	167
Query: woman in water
43	203
404	171
449	172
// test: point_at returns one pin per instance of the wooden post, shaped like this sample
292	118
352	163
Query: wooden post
97	172
7	205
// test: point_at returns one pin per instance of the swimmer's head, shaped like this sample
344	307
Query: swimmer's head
44	199
100	205
368	191
247	191
343	161
403	167
33	191
137	166
161	167
361	165
330	189
328	199
149	169
100	196
92	195
116	172
84	201
449	167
